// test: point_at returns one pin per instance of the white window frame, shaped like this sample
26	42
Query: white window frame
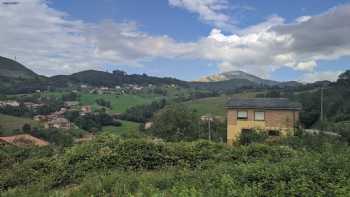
242	117
259	119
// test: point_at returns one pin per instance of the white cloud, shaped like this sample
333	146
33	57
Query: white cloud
310	65
303	19
321	76
41	37
123	42
258	53
211	11
48	42
265	47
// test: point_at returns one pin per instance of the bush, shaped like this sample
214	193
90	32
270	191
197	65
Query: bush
104	103
92	122
143	113
110	166
26	128
175	123
55	136
252	136
71	96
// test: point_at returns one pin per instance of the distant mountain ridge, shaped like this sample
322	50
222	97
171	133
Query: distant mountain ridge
232	80
225	76
101	78
15	78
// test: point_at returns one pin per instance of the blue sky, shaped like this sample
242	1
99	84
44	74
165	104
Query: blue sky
186	39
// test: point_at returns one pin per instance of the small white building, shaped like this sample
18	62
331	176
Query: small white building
9	103
148	125
71	103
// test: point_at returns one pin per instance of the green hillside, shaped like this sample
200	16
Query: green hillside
215	105
12	69
10	123
101	78
127	128
119	103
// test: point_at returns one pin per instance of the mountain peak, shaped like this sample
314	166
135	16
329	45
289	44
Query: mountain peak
237	74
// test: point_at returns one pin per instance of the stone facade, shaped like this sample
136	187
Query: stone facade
280	120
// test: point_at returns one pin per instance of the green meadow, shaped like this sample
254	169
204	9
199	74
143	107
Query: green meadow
215	105
119	103
11	123
127	127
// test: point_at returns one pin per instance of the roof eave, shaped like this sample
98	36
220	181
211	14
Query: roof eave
265	108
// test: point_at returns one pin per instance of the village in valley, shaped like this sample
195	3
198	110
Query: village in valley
174	98
58	120
163	124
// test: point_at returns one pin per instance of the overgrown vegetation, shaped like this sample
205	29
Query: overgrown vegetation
104	103
296	166
94	122
143	113
172	158
252	136
336	105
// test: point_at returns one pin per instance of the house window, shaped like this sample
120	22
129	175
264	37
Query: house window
259	116
242	115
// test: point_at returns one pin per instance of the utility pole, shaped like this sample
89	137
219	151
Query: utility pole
322	100
209	119
209	128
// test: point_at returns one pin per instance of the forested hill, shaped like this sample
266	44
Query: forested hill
15	78
100	78
336	100
12	69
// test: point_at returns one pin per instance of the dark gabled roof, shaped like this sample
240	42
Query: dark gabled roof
263	103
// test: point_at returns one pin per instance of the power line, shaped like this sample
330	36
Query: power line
322	100
10	3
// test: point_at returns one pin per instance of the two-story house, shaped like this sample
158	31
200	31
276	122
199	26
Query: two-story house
277	116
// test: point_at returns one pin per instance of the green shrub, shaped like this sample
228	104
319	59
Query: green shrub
252	136
111	166
175	123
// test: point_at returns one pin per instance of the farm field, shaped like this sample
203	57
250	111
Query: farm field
10	123
212	105
215	105
127	127
119	103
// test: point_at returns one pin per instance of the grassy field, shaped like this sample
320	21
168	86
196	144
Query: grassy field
126	128
215	105
119	103
11	123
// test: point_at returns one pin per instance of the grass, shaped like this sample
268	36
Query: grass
212	105
119	103
126	128
8	124
215	105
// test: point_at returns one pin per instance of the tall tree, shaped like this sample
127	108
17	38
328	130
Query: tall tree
176	123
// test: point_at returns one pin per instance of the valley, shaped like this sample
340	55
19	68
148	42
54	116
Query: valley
174	98
141	134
